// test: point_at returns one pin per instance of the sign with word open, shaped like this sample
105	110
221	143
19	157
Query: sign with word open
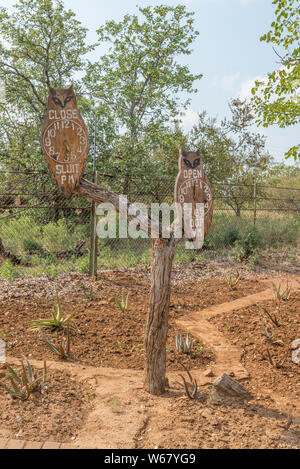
193	198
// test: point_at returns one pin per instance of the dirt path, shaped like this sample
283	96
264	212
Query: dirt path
124	416
227	355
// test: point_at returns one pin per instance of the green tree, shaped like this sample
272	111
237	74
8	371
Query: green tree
277	100
43	45
139	81
233	154
283	193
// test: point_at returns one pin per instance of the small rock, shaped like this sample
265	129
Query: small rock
296	356
226	384
208	372
295	344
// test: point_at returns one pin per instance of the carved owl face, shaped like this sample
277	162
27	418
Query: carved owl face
189	159
62	99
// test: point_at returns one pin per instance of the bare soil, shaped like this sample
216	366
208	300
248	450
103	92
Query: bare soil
106	336
96	399
267	346
57	412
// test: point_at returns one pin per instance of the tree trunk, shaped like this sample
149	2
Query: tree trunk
163	251
238	211
55	210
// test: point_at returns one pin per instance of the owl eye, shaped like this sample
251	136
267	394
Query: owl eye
187	163
68	99
57	101
196	162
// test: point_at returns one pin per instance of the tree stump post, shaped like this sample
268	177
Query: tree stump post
163	251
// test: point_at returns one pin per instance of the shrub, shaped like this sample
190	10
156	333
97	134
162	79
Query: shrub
231	236
15	232
249	244
57	236
32	247
8	271
83	265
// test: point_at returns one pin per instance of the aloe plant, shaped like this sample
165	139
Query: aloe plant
233	279
282	295
63	348
123	304
184	345
55	323
191	388
26	383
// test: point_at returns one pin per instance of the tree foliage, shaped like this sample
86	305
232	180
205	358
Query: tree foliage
277	99
232	154
139	80
43	45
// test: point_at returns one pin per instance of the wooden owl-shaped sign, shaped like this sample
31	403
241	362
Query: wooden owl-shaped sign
64	139
193	197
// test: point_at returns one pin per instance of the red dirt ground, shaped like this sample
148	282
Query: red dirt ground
114	411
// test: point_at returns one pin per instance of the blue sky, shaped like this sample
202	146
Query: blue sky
227	52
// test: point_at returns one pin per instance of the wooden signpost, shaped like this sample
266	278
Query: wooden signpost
193	197
64	139
65	146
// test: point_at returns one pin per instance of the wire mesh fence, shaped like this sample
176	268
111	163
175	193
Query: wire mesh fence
42	232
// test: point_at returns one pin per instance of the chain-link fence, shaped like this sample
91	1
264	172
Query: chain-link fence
43	232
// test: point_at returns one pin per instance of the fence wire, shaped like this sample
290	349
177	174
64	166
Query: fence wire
43	232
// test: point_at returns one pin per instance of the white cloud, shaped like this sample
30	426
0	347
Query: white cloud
2	92
226	82
188	118
247	85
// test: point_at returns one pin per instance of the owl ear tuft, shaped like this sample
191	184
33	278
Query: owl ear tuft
70	88
182	152
52	91
198	152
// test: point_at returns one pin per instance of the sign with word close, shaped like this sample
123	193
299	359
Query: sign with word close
193	198
64	139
